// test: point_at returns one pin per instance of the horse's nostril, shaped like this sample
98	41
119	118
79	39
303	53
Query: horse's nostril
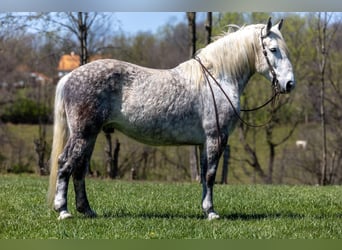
289	86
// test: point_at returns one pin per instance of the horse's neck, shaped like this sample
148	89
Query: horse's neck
235	83
244	81
229	68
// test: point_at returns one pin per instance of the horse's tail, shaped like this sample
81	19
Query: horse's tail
60	132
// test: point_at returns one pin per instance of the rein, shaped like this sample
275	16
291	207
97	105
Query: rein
275	84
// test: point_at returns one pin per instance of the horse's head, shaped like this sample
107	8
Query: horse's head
273	61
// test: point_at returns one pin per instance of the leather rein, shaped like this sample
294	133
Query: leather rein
275	85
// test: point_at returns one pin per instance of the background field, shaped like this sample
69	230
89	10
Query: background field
146	210
166	164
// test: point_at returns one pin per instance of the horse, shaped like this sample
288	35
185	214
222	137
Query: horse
177	106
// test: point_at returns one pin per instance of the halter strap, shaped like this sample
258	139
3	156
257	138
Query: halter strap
275	81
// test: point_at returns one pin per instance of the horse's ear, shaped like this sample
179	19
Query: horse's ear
268	26
280	24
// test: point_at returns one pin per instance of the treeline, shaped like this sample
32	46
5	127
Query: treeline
35	42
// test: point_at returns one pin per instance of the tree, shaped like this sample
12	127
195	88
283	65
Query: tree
324	38
194	161
79	24
209	27
173	41
192	32
112	155
225	19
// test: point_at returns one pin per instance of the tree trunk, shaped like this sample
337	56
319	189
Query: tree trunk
83	35
194	163
208	26
192	32
116	159
40	143
112	157
271	147
254	162
322	50
40	148
226	155
193	157
108	151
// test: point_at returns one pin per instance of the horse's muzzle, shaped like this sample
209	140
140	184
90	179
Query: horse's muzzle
290	86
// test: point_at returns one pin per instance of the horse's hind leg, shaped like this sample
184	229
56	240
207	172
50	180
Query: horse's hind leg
79	173
65	167
73	160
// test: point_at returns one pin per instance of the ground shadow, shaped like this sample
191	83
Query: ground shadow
231	217
152	215
260	216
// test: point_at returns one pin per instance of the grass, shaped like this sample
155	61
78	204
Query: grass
145	210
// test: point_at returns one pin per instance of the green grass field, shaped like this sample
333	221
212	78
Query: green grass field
148	210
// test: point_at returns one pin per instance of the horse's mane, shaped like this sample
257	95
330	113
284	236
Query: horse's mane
228	55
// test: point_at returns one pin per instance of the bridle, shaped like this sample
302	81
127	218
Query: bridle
275	82
275	85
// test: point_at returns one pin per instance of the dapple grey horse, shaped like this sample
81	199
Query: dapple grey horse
178	106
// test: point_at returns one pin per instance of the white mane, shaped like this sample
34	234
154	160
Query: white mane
228	56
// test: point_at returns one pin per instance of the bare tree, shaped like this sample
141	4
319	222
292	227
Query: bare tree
112	155
193	161
248	138
209	26
79	24
192	32
325	37
322	50
272	143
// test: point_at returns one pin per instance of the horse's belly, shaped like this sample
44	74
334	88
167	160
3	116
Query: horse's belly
162	131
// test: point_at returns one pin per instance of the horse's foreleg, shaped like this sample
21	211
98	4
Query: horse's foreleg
211	154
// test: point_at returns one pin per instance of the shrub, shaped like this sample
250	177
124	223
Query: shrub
26	111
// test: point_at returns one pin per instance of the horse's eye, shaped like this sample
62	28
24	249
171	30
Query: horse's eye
273	50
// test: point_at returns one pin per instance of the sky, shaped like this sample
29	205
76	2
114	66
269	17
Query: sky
132	22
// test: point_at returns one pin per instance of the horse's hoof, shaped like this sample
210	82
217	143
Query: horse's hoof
90	214
213	216
64	215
